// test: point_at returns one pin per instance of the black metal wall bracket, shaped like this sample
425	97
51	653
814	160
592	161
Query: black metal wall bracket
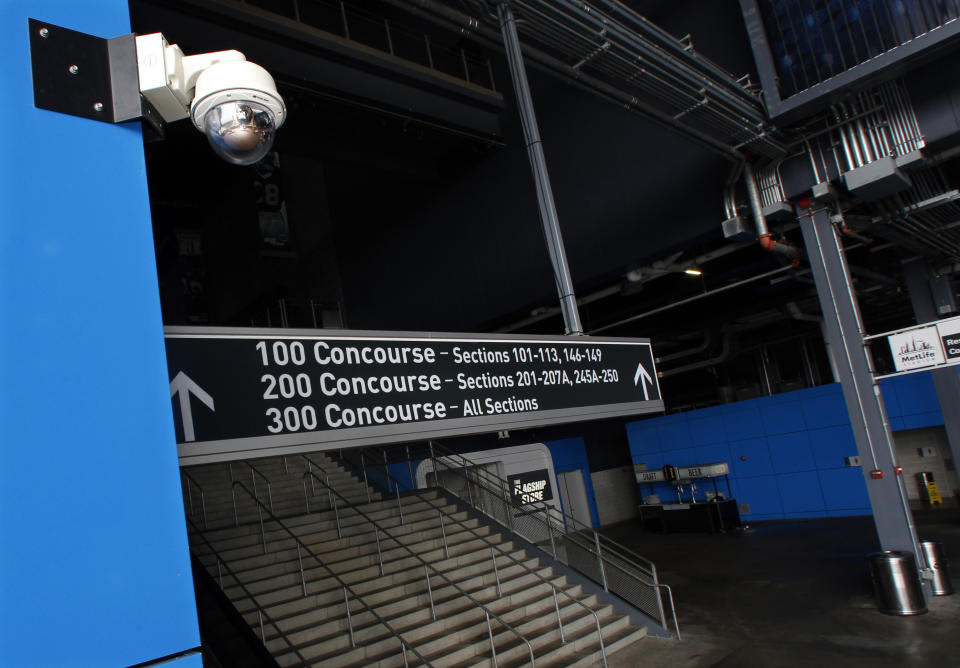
84	75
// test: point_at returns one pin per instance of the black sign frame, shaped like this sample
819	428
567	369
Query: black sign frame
211	369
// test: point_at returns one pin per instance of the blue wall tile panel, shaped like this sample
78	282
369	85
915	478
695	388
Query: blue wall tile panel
792	447
94	567
569	454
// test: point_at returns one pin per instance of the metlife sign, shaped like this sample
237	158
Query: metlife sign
246	392
926	346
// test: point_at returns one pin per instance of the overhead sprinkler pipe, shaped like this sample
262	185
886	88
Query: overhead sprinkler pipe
538	164
760	221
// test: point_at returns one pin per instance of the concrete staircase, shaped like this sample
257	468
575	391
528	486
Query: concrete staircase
293	594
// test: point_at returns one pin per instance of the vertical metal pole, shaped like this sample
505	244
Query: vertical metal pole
366	483
538	164
493	649
399	506
603	572
553	547
233	495
496	572
443	532
376	533
343	16
556	606
466	68
189	497
403	649
868	417
386	469
433	612
336	514
263	637
203	507
386	24
346	603
303	579
466	475
219	573
426	40
413	483
306	497
286	471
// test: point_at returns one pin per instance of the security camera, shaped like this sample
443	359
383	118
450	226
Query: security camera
231	100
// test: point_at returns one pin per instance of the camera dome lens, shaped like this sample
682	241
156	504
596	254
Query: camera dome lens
240	132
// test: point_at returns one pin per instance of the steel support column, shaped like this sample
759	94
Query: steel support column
868	418
538	165
919	279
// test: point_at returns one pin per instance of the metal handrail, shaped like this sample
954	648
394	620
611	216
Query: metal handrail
203	501
426	565
346	588
261	613
601	559
254	472
600	544
567	519
529	570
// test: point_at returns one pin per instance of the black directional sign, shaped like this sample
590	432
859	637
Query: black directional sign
249	392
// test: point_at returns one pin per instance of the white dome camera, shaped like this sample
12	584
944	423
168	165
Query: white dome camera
231	100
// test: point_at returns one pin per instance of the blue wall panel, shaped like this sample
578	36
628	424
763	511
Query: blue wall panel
786	452
94	569
569	454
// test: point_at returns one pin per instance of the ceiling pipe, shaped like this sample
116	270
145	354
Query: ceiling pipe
707	340
713	361
760	221
469	26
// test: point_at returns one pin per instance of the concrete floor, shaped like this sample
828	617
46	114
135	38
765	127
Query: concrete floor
792	594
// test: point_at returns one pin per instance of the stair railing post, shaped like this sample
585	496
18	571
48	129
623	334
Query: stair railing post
303	579
346	603
603	572
403	650
553	546
508	500
329	490
413	483
306	496
189	497
399	506
443	532
233	494
286	471
386	469
203	507
433	611
556	606
493	649
496	572
376	533
219	572
336	514
366	483
467	477
263	636
263	534
310	470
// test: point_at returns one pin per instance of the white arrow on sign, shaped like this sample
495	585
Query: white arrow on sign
184	385
642	373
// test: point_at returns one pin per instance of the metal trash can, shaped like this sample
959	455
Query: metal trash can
936	558
897	583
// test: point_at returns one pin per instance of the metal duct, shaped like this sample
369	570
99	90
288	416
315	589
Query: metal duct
610	50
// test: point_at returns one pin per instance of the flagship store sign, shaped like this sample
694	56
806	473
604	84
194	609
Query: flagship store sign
248	392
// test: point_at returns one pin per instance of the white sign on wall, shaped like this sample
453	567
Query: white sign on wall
916	349
926	346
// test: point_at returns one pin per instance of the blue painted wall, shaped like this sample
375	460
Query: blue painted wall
94	567
786	452
571	454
